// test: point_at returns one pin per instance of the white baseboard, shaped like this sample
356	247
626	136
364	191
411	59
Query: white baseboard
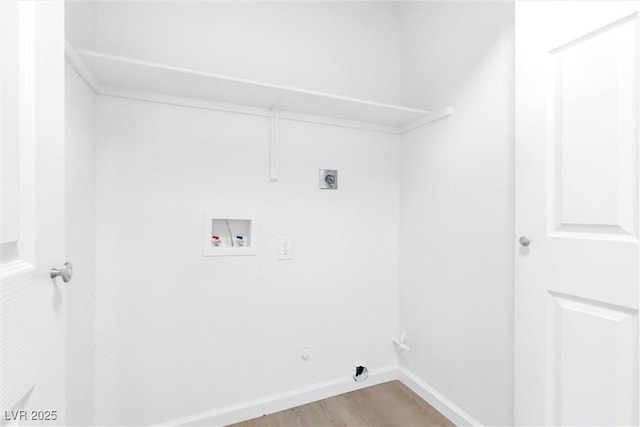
301	396
435	399
279	402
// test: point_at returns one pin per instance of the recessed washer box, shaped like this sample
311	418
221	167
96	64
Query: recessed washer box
228	234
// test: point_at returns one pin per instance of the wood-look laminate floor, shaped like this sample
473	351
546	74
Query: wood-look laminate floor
384	405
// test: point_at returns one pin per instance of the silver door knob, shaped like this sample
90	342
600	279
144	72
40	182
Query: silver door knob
66	272
524	241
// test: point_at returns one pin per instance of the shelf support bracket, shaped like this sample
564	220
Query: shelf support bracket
274	141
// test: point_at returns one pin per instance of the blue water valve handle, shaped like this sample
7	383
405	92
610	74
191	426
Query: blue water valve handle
240	240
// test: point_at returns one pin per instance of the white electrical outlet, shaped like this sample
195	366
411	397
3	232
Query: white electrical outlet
285	247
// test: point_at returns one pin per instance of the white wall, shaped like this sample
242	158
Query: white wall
348	48
456	266
81	246
177	333
80	23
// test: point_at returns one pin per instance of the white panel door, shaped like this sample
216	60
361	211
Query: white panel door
577	196
32	369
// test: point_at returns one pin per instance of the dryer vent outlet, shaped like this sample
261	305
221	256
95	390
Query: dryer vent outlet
361	374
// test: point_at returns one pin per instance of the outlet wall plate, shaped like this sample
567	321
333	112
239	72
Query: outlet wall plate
285	247
328	179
